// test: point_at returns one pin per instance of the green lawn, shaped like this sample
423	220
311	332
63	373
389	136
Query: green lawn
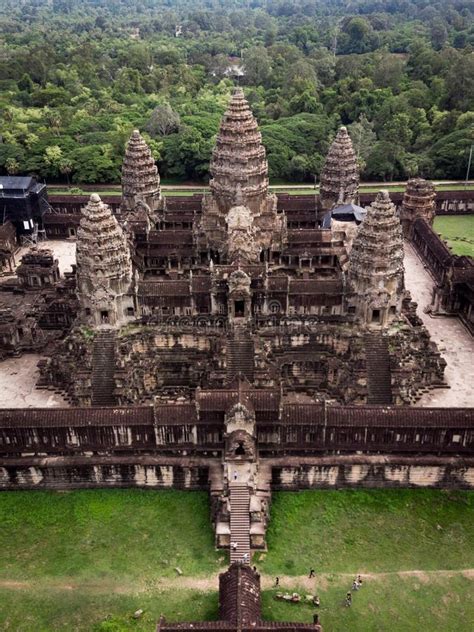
84	561
97	534
384	605
370	530
458	231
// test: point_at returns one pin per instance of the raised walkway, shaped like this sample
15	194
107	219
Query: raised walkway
454	342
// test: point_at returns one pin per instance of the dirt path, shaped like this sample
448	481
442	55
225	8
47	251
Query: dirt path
211	583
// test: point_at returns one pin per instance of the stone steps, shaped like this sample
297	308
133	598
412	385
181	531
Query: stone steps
239	521
240	355
103	369
379	376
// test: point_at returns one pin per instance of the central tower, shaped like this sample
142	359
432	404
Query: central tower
239	159
239	179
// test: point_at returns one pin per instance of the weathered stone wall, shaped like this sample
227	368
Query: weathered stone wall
83	472
377	471
288	474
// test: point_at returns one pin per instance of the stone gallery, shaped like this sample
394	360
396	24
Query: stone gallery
237	342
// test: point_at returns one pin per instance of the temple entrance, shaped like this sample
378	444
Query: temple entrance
239	309
240	450
375	315
104	316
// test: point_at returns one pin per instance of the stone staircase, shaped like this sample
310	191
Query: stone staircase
239	520
379	377
240	354
103	368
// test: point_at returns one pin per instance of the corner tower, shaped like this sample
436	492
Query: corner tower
375	275
104	268
418	202
140	177
340	174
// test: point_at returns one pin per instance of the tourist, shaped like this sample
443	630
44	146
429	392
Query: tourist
355	585
348	599
277	581
316	601
234	545
254	569
236	476
245	558
311	573
359	580
316	619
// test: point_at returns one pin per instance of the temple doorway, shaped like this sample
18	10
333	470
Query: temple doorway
239	309
240	450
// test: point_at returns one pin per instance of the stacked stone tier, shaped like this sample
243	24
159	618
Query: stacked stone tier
340	174
239	158
139	171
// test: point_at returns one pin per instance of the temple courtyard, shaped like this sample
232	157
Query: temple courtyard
87	560
18	376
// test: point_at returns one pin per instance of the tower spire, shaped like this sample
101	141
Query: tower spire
140	177
239	165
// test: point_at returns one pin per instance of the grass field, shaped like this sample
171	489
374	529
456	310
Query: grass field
86	560
290	188
458	231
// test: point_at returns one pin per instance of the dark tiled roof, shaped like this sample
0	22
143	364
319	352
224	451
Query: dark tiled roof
222	400
163	288
58	417
175	414
400	416
315	286
437	247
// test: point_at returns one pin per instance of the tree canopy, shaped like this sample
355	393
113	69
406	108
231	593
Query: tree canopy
76	78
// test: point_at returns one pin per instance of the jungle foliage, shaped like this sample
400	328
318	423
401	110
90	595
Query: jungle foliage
77	77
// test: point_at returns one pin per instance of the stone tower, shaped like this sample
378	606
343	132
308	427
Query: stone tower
239	181
375	275
239	159
140	178
340	174
418	201
104	268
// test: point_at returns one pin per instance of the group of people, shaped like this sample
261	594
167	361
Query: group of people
356	584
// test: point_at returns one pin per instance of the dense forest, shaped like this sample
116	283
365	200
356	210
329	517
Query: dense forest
76	76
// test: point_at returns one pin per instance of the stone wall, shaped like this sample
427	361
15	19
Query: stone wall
83	472
288	474
375	471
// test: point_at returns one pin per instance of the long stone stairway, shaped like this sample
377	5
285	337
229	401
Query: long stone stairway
103	368
240	354
379	377
239	521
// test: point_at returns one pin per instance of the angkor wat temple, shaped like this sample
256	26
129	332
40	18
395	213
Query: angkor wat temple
236	342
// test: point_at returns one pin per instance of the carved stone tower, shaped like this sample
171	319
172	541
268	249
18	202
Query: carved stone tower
140	178
239	159
375	275
418	201
239	171
104	269
340	174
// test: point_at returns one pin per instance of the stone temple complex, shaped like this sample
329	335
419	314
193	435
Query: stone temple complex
237	342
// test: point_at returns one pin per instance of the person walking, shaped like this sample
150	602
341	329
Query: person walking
311	573
277	581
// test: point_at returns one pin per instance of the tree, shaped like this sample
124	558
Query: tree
12	166
163	121
66	167
363	138
257	66
52	157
